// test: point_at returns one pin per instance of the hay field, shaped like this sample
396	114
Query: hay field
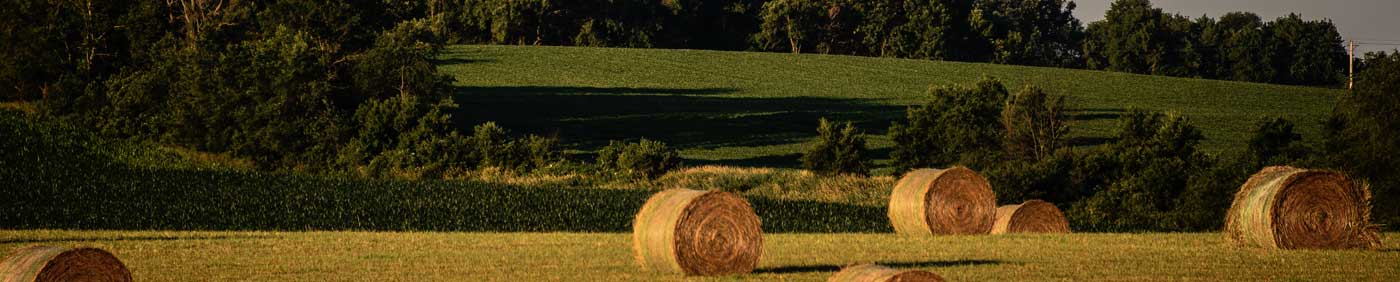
372	256
755	109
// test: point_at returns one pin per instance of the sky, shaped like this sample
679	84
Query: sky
1366	21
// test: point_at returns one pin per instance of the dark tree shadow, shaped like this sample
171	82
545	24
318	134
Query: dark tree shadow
1090	141
1095	114
778	161
835	268
586	118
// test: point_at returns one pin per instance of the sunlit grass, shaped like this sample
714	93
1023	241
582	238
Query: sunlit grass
366	256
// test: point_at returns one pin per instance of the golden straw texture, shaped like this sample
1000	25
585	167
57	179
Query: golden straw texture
879	273
1033	216
1283	207
53	264
697	233
952	201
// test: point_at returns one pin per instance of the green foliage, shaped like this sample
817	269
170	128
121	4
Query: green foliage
1137	182
1051	179
645	159
1035	123
837	150
290	85
1360	136
958	124
1274	143
1030	32
495	148
1138	38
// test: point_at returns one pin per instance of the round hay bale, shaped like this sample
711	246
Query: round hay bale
950	201
48	263
1283	207
697	233
1033	216
879	273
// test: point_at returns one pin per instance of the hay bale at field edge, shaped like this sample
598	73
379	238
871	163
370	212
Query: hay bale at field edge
954	201
1283	207
697	233
1033	216
49	263
880	273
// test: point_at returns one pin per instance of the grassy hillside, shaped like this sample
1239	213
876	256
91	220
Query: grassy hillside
378	256
744	108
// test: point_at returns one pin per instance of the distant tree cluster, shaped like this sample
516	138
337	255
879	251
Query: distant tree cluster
300	85
1135	37
1026	32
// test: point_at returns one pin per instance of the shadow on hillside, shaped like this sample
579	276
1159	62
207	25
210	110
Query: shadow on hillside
1084	141
835	268
585	118
780	161
1087	114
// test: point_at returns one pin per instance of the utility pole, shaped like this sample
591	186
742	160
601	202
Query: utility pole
1351	63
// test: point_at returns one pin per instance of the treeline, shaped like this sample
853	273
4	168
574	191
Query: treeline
1134	36
1151	177
299	85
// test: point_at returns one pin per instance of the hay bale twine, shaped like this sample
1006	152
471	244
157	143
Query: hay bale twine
1033	216
1283	207
697	233
48	263
879	273
942	202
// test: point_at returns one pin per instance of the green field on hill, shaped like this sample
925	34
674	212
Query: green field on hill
755	109
392	256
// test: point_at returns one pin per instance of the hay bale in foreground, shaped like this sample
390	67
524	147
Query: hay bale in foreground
1033	216
697	233
879	273
1283	207
48	263
942	202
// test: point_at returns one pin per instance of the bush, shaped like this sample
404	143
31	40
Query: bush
494	148
1138	183
959	124
646	158
1273	143
836	151
1035	124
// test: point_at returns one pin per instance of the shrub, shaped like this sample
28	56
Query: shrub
1273	143
494	148
959	123
1137	182
646	158
1035	124
836	150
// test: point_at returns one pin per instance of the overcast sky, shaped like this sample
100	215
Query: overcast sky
1366	21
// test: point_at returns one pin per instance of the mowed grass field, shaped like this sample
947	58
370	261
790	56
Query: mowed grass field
366	256
756	109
